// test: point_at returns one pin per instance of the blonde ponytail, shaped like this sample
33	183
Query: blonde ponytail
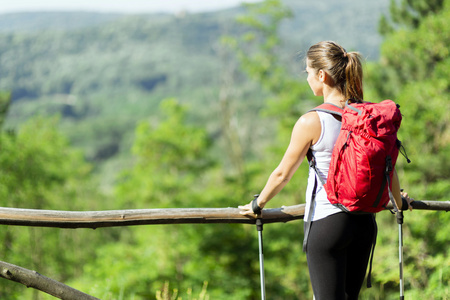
343	67
354	77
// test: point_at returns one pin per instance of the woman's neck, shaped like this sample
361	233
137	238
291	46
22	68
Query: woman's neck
335	97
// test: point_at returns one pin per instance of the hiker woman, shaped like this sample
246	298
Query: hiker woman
339	244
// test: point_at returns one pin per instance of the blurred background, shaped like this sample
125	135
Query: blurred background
149	104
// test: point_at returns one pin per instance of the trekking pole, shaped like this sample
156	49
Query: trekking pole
259	228
400	251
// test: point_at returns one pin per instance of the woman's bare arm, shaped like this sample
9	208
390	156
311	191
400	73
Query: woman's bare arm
305	133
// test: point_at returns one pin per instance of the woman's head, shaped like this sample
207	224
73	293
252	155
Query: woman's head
344	68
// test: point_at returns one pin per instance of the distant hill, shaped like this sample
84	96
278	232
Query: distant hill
99	53
40	21
53	47
84	53
105	72
351	23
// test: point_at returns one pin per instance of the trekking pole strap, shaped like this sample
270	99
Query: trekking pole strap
255	207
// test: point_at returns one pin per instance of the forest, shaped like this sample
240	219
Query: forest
105	112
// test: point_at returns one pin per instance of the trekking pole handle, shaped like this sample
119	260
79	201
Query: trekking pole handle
400	217
259	224
405	206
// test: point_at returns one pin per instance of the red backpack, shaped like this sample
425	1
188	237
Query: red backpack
362	162
364	156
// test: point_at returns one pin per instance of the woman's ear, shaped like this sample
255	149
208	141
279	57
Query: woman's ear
322	75
325	78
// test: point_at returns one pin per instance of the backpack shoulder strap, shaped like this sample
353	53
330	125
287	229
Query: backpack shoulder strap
336	111
333	110
329	108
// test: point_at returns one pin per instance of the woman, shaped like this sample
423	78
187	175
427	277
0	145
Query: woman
339	244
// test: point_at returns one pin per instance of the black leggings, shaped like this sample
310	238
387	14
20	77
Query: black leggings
338	252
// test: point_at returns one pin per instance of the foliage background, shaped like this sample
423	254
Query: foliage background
195	110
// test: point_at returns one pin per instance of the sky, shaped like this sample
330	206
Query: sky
117	6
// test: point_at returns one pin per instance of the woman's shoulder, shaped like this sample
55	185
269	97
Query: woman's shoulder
309	119
308	126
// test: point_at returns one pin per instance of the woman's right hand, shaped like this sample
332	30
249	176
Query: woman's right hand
405	197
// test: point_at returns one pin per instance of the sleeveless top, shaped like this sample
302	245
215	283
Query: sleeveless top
322	152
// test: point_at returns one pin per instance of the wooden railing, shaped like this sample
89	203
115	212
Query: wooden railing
97	219
111	218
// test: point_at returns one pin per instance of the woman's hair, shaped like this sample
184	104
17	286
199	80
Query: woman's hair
343	67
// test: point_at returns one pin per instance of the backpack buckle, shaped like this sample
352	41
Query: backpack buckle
388	164
312	162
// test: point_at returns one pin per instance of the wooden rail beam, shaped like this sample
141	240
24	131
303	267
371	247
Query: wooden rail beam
96	219
112	218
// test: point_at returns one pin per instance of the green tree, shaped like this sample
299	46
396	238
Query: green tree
174	168
408	57
258	49
170	158
408	14
5	101
414	71
40	170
